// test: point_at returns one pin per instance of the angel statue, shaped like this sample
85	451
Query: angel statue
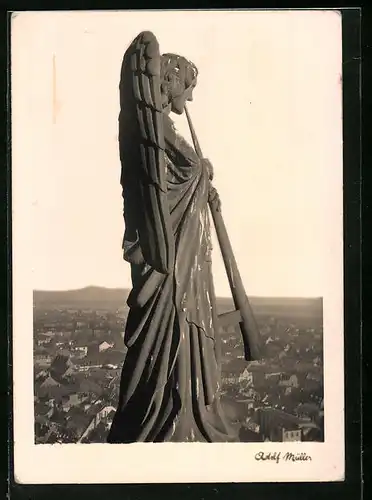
170	381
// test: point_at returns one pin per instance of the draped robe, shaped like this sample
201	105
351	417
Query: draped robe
170	379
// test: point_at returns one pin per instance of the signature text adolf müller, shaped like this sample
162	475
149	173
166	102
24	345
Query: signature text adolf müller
278	456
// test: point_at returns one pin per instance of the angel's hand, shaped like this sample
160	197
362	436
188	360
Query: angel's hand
214	199
209	167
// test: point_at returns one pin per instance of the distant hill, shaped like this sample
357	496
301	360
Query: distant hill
94	297
91	297
278	305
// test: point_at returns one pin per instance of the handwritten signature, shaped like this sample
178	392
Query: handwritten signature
278	456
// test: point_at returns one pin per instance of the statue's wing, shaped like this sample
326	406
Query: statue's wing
143	128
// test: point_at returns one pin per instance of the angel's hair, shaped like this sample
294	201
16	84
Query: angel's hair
176	75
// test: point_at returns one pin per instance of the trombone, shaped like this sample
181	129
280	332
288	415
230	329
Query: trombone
243	314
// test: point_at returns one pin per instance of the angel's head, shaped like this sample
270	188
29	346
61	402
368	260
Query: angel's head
178	80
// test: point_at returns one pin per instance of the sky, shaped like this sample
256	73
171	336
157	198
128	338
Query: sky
267	112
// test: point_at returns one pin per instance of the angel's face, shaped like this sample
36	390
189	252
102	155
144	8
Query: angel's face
178	103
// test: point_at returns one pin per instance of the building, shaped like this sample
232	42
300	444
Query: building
246	378
289	381
42	359
80	351
250	394
293	435
50	328
313	434
247	435
99	417
275	424
230	378
71	400
88	366
77	421
274	376
317	361
307	411
314	376
44	341
104	346
252	377
251	424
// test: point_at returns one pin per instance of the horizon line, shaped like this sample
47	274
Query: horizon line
218	296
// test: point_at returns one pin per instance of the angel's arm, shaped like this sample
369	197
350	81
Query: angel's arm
177	148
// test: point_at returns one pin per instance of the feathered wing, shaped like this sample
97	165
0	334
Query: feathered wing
141	136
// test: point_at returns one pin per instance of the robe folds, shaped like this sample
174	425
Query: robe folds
170	381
